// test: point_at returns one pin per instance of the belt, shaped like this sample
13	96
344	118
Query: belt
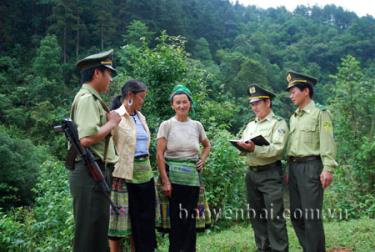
303	159
141	157
259	168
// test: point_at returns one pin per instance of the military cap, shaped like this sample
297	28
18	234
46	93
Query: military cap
257	93
295	78
95	60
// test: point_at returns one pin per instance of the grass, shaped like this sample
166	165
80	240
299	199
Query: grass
359	235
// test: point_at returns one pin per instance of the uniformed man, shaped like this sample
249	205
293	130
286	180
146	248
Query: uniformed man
311	155
264	179
94	123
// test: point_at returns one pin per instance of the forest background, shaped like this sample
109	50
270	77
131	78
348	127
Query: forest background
214	47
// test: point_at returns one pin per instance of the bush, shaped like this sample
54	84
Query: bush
224	175
20	161
49	225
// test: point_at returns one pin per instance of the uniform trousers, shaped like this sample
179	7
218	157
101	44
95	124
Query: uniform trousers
265	197
306	201
90	210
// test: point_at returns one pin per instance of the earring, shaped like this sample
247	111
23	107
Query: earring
130	102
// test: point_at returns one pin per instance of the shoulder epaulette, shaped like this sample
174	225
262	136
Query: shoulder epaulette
321	107
279	118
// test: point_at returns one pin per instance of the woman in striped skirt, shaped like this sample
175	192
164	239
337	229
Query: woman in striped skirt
133	188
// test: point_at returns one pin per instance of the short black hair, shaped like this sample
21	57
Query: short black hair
302	87
86	75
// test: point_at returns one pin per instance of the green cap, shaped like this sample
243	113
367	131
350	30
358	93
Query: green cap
257	93
181	88
95	60
295	78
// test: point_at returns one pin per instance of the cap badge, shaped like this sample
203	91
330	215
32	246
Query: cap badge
252	90
288	77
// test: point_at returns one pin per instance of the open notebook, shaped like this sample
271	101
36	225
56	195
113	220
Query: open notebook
257	140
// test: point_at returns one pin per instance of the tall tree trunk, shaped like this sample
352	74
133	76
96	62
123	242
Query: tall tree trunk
77	36
101	37
64	39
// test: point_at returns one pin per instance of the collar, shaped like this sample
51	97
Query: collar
267	118
307	109
123	112
92	90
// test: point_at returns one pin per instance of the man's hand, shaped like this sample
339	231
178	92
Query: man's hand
248	145
286	179
114	118
326	179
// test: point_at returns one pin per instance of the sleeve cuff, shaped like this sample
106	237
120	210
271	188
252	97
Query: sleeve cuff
88	132
328	169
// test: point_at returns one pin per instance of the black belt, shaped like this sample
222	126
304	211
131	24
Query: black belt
141	157
259	168
303	159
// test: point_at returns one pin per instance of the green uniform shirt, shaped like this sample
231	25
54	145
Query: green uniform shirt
275	130
311	134
89	115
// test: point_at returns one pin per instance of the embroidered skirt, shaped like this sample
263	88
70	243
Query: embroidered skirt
163	222
119	225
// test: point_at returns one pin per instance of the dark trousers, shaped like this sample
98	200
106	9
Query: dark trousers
306	201
183	234
90	209
142	203
265	198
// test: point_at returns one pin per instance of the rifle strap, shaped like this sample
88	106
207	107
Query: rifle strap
108	137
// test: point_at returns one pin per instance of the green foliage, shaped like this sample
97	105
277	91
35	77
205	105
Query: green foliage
201	50
359	235
48	226
20	161
137	34
44	82
354	114
224	173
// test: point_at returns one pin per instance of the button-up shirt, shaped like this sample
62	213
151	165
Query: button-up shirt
125	138
311	134
89	115
275	130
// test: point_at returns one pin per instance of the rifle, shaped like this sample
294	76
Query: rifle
70	129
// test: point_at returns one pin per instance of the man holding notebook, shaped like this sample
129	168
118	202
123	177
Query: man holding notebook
264	179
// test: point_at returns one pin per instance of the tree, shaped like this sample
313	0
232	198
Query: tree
138	33
201	50
44	82
353	106
20	161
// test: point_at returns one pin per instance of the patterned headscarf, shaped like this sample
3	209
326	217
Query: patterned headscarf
182	89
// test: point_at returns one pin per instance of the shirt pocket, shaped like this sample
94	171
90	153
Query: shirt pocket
266	133
309	132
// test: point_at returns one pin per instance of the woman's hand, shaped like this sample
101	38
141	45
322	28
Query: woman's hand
166	188
200	165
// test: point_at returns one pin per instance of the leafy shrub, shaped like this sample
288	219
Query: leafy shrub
224	175
20	161
48	226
